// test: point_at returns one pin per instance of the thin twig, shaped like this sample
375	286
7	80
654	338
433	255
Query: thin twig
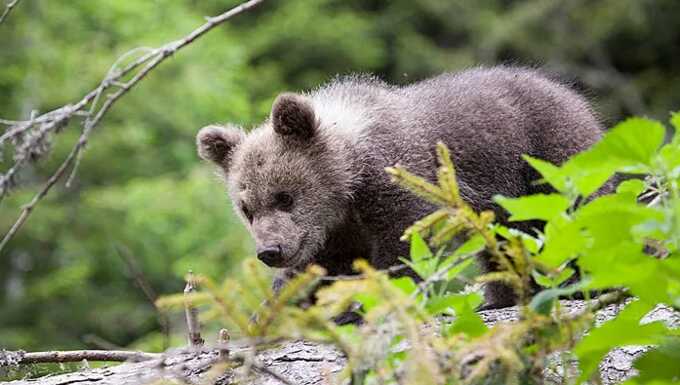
143	283
615	296
151	61
90	355
8	9
193	325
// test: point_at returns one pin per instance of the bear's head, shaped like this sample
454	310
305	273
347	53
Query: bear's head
289	179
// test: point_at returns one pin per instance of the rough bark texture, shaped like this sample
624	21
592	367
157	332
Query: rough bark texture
308	363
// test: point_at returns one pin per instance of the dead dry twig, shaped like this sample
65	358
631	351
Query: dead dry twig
8	9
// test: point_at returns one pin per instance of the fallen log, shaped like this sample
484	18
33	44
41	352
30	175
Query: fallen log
305	363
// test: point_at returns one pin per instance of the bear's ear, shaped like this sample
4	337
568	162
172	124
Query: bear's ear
293	116
217	143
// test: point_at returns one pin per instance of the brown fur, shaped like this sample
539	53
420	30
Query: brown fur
327	150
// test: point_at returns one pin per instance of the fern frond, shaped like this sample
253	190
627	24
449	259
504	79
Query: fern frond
301	284
425	224
453	227
447	173
418	185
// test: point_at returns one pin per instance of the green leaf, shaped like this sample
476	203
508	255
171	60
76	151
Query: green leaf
625	329
404	284
675	122
422	261
543	301
661	363
367	300
563	276
539	206
564	240
459	268
467	320
610	219
438	304
473	245
631	186
419	249
547	281
541	279
629	146
551	174
635	140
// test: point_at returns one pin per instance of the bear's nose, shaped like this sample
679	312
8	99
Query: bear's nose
271	255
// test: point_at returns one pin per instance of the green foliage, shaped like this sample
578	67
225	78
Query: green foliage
395	343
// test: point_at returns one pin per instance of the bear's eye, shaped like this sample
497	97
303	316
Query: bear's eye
247	213
283	200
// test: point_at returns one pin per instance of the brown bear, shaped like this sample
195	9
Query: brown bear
310	182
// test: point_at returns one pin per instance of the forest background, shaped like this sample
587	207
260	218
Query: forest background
143	210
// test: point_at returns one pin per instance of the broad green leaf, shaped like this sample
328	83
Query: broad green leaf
422	260
543	301
635	140
467	320
367	300
437	305
564	240
660	363
404	284
589	180
424	267
541	279
503	231
675	122
631	186
459	268
625	329
623	264
564	275
627	265
629	146
538	206
531	243
672	266
419	249
609	220
473	245
669	158
547	281
551	174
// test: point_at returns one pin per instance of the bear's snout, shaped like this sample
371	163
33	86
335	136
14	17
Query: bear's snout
270	255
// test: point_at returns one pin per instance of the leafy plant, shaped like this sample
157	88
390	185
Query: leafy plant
618	242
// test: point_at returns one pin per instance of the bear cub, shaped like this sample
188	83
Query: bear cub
310	182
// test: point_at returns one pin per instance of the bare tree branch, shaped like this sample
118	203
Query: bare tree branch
79	355
8	9
34	134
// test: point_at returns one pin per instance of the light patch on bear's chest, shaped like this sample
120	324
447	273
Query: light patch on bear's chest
342	117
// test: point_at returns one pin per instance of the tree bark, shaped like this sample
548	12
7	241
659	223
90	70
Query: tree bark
307	363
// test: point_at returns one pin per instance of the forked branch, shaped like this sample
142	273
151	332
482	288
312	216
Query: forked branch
33	135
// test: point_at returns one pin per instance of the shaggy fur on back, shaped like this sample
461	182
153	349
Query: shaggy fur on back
310	183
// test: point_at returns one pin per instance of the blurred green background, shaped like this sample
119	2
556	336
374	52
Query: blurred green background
141	193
